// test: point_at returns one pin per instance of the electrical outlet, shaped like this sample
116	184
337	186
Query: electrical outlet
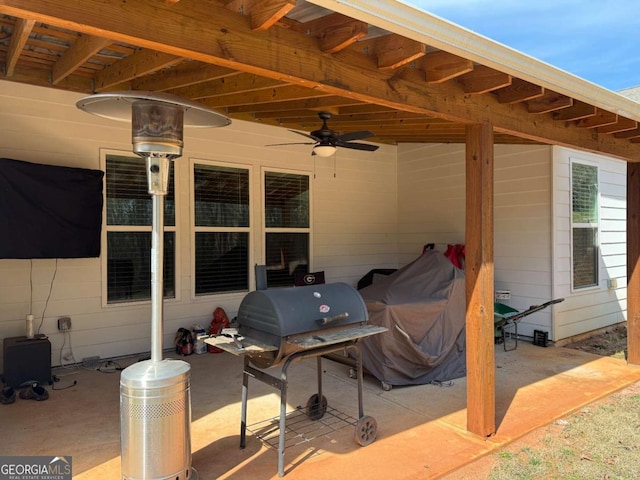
64	324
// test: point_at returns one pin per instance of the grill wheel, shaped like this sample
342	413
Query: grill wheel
366	430
316	409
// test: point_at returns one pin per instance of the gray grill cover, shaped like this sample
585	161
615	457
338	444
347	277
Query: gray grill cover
423	305
274	315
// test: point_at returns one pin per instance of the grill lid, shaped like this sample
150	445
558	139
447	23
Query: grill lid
274	324
291	311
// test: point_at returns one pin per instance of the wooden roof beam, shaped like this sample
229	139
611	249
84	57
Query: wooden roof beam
386	116
441	66
79	52
622	125
19	36
290	92
635	133
242	83
136	65
183	75
484	79
295	115
366	108
394	51
577	111
225	39
334	32
263	13
397	127
337	37
36	75
600	119
316	103
549	102
305	117
519	91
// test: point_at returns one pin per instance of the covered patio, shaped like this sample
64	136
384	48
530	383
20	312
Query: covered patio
421	429
407	77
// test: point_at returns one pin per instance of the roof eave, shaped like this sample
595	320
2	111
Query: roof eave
397	17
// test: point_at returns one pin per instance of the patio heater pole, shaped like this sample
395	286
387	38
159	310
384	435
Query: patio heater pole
157	285
155	401
154	166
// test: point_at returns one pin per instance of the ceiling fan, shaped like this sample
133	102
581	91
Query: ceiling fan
325	141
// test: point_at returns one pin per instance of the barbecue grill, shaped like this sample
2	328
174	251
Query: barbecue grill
279	326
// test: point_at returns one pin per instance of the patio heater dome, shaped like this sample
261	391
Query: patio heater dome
157	118
155	401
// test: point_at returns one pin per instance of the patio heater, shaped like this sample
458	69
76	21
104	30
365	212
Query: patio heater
155	401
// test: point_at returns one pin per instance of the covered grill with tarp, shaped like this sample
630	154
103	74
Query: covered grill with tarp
423	307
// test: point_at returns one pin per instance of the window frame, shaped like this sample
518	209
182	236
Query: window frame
573	225
193	229
104	257
263	208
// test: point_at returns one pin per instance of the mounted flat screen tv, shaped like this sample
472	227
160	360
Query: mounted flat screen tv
49	211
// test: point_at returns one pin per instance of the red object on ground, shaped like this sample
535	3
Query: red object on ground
219	321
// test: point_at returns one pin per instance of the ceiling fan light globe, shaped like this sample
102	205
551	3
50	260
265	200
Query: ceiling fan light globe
324	150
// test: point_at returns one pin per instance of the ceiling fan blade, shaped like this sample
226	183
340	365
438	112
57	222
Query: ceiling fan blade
296	143
357	146
347	137
306	135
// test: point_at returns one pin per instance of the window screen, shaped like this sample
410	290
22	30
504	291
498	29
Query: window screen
129	213
585	225
222	222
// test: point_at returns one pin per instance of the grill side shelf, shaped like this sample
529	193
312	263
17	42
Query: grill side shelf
249	346
321	338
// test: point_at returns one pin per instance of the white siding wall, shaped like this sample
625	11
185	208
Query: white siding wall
591	308
354	220
431	209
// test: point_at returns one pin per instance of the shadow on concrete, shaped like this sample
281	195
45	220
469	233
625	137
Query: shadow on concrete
421	429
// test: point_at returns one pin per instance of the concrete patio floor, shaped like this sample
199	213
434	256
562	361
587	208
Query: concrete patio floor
421	429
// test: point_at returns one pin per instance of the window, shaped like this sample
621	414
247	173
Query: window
128	231
221	228
584	225
287	226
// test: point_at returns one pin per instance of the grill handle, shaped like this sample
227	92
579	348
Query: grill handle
335	318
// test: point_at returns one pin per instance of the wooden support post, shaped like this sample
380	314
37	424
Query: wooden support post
633	263
481	415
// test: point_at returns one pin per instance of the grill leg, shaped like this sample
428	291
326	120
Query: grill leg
356	350
319	368
283	414
245	394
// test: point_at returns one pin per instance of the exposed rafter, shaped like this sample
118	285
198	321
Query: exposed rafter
81	50
19	36
280	61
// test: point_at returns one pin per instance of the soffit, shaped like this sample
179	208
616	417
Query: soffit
280	62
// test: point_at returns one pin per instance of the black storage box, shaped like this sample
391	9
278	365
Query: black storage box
26	360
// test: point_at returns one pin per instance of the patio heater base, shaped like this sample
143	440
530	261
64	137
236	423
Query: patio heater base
155	419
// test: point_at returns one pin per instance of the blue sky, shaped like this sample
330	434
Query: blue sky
598	40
